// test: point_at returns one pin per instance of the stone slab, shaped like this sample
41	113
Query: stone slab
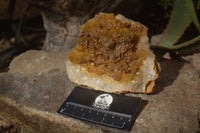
37	84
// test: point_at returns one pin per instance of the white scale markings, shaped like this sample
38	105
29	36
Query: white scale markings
97	112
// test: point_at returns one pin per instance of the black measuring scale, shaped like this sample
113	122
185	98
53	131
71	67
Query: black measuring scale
107	109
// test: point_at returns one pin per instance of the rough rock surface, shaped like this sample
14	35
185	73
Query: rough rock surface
194	60
37	84
7	126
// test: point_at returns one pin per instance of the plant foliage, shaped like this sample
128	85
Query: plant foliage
183	14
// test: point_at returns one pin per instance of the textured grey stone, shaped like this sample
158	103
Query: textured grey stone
37	84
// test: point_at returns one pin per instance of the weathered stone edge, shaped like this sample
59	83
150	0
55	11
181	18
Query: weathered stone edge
41	121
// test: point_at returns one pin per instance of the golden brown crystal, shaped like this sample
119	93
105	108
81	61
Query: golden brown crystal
109	46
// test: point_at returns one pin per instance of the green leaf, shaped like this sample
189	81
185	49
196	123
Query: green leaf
195	47
190	6
187	43
178	46
179	21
